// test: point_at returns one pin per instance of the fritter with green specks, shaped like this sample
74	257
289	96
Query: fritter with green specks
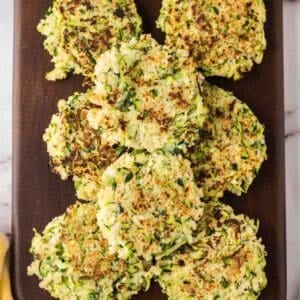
149	204
231	145
227	263
155	92
224	37
76	149
71	260
78	31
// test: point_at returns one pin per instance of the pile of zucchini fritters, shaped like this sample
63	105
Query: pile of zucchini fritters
152	147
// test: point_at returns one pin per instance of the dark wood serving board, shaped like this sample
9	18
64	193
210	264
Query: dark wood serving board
39	195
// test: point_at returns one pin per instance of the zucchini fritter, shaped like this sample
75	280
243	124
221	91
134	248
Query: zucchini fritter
76	149
226	263
156	93
72	261
78	31
231	145
149	204
224	37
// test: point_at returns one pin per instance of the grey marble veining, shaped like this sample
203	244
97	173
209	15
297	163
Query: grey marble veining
292	131
292	122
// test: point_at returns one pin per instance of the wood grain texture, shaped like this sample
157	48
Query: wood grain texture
39	195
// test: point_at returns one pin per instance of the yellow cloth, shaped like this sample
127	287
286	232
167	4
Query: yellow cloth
5	288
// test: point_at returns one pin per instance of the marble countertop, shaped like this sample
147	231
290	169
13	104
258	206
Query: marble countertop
292	133
292	144
6	46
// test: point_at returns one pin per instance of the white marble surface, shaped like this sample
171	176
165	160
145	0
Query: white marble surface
292	111
6	30
292	144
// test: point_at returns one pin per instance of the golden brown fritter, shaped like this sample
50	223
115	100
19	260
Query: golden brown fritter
231	145
78	31
149	204
226	263
225	38
72	260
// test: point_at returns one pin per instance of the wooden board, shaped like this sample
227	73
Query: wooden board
39	195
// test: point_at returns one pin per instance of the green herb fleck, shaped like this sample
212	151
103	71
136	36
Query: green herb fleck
180	182
154	92
128	177
120	150
209	231
121	209
234	166
224	283
93	296
114	185
226	261
216	10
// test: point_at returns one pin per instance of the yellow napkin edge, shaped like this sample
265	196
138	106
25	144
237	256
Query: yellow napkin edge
4	245
5	286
